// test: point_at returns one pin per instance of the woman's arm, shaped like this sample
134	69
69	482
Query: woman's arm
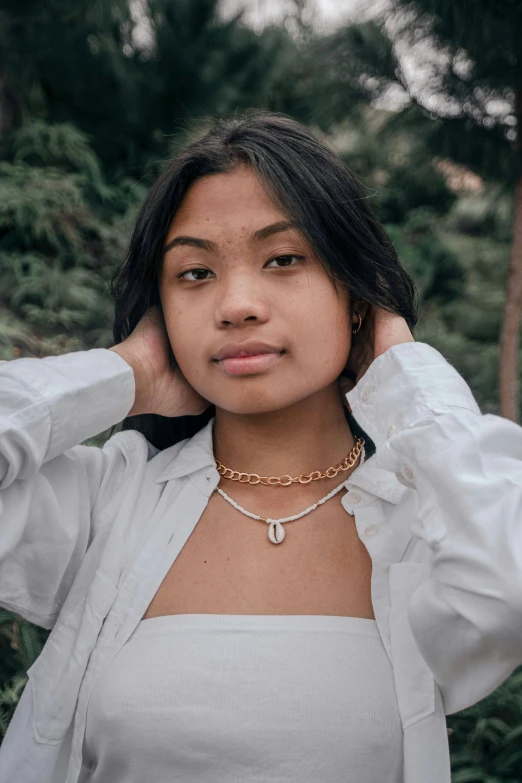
466	469
51	489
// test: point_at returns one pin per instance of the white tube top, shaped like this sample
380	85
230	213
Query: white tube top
212	698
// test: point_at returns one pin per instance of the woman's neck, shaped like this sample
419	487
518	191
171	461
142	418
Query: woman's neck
311	435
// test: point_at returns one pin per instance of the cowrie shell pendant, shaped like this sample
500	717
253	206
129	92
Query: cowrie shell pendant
276	532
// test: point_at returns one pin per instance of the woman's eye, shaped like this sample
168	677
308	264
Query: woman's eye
191	271
286	259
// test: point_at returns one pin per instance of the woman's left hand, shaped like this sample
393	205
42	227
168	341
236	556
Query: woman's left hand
379	331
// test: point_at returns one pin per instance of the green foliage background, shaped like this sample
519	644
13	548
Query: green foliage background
88	118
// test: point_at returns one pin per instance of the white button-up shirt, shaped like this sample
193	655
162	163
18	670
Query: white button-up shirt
88	535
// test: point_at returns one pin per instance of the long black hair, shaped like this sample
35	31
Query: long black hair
311	184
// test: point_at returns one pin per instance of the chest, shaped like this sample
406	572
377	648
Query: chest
228	565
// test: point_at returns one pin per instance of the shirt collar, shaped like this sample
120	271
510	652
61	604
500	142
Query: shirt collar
378	481
198	453
195	454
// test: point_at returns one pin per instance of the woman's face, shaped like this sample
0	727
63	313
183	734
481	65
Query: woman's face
234	274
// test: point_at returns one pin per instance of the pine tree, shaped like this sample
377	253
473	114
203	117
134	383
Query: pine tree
83	63
60	238
481	41
475	58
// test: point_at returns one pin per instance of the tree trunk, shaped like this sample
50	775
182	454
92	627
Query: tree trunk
510	336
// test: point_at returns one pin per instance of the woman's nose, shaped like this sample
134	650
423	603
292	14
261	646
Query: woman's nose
240	300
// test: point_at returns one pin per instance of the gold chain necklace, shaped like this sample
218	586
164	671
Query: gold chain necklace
253	478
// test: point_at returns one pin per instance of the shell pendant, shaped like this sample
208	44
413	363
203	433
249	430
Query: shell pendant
276	532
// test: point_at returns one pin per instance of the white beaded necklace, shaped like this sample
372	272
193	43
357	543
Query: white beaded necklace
276	532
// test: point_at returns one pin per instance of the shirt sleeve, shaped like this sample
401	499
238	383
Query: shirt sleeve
52	488
466	469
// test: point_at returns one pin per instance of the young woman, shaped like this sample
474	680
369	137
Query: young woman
304	548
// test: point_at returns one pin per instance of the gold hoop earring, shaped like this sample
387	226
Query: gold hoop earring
354	331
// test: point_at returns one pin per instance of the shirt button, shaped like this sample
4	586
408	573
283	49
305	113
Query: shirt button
407	472
367	393
354	497
391	430
371	530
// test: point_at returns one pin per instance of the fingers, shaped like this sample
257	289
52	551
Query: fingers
390	329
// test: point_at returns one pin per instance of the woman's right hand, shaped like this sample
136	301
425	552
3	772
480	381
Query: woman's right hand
160	387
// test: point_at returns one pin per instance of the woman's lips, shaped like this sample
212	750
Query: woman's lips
249	365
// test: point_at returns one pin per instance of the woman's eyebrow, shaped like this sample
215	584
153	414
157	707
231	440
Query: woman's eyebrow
206	244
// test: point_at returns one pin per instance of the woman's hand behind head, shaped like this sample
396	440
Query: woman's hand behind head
380	330
161	387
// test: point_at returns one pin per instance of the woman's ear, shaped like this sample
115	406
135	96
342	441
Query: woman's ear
359	308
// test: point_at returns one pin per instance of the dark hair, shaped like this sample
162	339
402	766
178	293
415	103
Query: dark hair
312	184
